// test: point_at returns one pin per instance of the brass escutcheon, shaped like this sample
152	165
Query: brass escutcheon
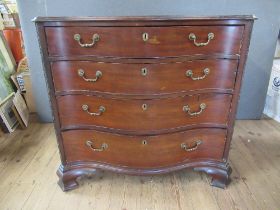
144	71
145	37
144	142
144	107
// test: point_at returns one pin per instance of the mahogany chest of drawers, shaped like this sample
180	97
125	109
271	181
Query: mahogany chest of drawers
144	95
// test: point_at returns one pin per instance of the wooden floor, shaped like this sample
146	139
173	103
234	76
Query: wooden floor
29	159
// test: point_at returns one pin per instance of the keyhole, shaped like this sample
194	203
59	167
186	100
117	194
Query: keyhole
144	107
144	142
145	37
144	71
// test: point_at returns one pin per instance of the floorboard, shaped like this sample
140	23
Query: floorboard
29	159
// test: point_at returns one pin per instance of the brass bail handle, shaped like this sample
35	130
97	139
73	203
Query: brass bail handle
187	109
192	37
103	147
95	38
193	148
189	73
98	74
101	110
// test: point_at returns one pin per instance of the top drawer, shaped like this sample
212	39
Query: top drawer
143	41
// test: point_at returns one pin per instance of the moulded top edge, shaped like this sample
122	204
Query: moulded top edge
142	18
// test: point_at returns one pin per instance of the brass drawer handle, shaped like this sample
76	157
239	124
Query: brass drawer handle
192	37
101	109
190	149
189	73
95	38
98	75
187	109
103	147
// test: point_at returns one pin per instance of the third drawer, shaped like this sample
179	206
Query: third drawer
77	111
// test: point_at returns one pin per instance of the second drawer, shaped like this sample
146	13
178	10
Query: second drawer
144	79
143	115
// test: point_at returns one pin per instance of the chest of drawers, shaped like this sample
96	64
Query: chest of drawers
144	95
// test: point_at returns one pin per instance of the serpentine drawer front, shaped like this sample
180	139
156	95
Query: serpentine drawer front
144	151
144	115
144	79
144	95
143	41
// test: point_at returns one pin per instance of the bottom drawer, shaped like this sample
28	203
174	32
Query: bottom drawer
144	151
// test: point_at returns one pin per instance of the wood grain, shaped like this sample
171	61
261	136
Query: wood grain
128	42
158	151
168	43
124	114
120	78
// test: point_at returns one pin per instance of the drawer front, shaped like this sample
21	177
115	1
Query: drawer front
143	41
144	151
144	79
143	115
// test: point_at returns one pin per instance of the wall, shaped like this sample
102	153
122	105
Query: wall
260	57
